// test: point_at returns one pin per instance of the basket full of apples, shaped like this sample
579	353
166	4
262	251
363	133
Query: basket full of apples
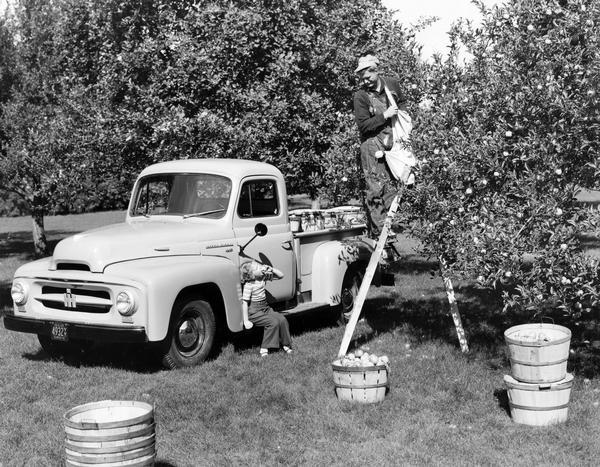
361	377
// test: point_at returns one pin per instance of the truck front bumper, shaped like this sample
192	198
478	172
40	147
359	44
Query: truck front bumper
78	331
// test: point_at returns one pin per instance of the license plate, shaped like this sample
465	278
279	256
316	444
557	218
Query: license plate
59	332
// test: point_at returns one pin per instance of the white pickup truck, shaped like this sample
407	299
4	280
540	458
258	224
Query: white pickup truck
169	275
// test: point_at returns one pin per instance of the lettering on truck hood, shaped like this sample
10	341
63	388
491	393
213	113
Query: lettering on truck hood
101	247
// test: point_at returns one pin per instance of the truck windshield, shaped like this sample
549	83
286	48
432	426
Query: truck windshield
189	195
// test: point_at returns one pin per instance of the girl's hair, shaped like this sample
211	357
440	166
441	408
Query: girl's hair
246	271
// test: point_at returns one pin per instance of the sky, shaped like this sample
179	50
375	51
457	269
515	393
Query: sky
435	39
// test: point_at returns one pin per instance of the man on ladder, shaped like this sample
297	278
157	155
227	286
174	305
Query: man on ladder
374	110
385	157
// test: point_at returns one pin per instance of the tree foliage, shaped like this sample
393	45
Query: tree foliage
510	139
104	88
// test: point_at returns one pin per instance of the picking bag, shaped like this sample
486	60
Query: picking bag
400	158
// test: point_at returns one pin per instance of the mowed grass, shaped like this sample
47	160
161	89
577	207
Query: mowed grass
443	407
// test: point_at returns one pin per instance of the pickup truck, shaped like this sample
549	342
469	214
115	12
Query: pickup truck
168	276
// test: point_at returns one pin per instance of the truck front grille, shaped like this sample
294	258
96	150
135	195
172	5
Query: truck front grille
75	299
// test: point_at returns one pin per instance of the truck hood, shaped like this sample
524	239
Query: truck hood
101	247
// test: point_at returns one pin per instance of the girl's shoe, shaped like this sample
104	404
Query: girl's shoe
287	349
264	352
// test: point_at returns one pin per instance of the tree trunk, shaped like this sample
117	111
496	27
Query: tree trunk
39	234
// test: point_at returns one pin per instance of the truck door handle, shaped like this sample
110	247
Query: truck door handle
287	244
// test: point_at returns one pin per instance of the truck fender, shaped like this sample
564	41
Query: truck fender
331	260
166	279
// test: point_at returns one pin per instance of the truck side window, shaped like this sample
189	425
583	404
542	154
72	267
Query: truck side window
258	198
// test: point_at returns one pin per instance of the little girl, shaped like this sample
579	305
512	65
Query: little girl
256	310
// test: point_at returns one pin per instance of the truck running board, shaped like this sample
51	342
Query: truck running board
305	307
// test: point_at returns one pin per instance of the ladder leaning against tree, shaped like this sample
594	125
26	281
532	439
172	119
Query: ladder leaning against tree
368	278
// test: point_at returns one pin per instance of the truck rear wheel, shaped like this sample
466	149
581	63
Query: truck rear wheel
191	335
350	287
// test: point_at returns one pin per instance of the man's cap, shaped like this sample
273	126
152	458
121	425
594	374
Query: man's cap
365	62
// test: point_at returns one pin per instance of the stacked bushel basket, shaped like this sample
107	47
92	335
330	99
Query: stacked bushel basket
110	433
539	386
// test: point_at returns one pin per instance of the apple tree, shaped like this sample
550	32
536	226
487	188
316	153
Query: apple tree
511	138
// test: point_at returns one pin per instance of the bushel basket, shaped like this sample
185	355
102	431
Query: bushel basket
110	433
538	352
539	404
360	384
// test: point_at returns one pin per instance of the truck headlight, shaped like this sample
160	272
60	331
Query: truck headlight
126	303
18	292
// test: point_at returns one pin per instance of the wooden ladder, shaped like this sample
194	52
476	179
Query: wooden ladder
368	278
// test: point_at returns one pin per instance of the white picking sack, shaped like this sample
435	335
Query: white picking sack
400	158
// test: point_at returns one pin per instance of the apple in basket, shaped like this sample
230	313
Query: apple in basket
365	360
383	360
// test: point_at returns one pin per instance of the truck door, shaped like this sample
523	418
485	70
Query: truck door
261	199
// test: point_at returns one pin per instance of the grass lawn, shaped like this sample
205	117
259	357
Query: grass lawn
443	408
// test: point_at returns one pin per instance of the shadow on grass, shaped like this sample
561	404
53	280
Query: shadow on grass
128	357
429	318
414	264
5	298
501	396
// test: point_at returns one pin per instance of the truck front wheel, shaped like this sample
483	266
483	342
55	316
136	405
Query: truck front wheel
191	334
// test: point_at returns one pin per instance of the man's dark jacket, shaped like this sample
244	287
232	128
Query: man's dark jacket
369	124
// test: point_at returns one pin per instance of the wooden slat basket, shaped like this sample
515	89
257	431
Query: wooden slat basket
364	385
539	404
110	433
538	352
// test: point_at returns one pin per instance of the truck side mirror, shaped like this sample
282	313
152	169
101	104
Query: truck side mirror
260	229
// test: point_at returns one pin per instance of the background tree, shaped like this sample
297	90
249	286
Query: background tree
510	140
65	147
104	88
8	202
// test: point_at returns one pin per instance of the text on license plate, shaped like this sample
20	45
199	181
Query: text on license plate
59	332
